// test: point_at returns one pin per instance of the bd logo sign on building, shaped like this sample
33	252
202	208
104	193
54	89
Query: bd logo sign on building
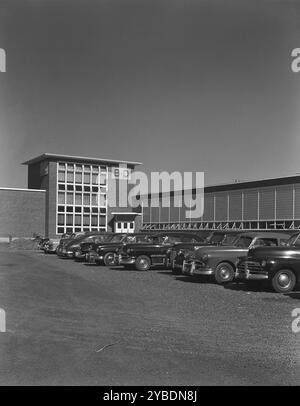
2	60
187	190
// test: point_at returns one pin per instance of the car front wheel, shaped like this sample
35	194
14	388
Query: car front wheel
109	259
284	281
142	263
224	273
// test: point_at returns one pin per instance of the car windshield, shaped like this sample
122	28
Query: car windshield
216	238
294	240
243	242
118	238
131	239
230	239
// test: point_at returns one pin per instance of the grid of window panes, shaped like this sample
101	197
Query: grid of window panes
81	197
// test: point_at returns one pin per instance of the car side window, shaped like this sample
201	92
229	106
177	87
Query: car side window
265	242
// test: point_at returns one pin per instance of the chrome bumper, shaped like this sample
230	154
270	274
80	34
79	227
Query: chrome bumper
194	268
250	276
92	257
124	260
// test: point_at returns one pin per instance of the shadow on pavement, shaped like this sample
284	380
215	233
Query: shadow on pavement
247	287
195	279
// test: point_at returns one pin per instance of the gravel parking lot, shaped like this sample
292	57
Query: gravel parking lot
69	323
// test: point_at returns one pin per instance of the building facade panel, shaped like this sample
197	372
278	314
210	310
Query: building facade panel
284	202
221	210
250	199
267	205
235	206
22	212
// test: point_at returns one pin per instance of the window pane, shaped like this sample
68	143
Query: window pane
61	176
61	198
69	198
69	219
95	179
60	230
79	168
102	221
78	177
77	209
61	166
94	220
61	187
94	200
77	220
102	200
61	219
86	220
78	198
61	208
86	198
70	177
103	179
87	178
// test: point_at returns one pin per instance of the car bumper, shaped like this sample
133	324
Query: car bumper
194	268
250	276
92	257
124	260
251	270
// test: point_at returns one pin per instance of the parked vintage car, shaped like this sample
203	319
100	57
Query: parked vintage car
50	246
177	253
154	251
68	249
66	239
90	243
220	261
106	253
42	242
279	267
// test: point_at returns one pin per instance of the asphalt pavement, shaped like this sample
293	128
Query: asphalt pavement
69	323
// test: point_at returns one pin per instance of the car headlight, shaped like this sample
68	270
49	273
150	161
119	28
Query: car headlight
263	262
205	258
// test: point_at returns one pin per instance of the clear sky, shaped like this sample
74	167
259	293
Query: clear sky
176	84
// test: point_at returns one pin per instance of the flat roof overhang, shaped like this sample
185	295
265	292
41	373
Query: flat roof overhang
71	158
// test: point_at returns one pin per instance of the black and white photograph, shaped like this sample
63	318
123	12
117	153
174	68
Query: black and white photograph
149	196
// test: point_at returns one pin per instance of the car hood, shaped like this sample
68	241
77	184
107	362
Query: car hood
217	250
273	252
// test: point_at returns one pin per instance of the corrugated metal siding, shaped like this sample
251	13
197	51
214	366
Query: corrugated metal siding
297	202
174	211
208	214
235	206
250	204
267	203
221	206
284	202
146	213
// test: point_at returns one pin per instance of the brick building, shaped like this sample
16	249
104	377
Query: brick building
69	194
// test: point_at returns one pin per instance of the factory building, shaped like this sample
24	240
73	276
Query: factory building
266	204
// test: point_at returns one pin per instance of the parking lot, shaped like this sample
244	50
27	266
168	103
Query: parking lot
73	323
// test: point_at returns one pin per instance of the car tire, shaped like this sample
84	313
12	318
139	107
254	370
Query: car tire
109	259
142	263
284	281
176	271
224	273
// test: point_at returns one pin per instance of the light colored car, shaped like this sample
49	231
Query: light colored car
51	246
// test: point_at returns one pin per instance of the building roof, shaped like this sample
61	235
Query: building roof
225	187
22	190
71	158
